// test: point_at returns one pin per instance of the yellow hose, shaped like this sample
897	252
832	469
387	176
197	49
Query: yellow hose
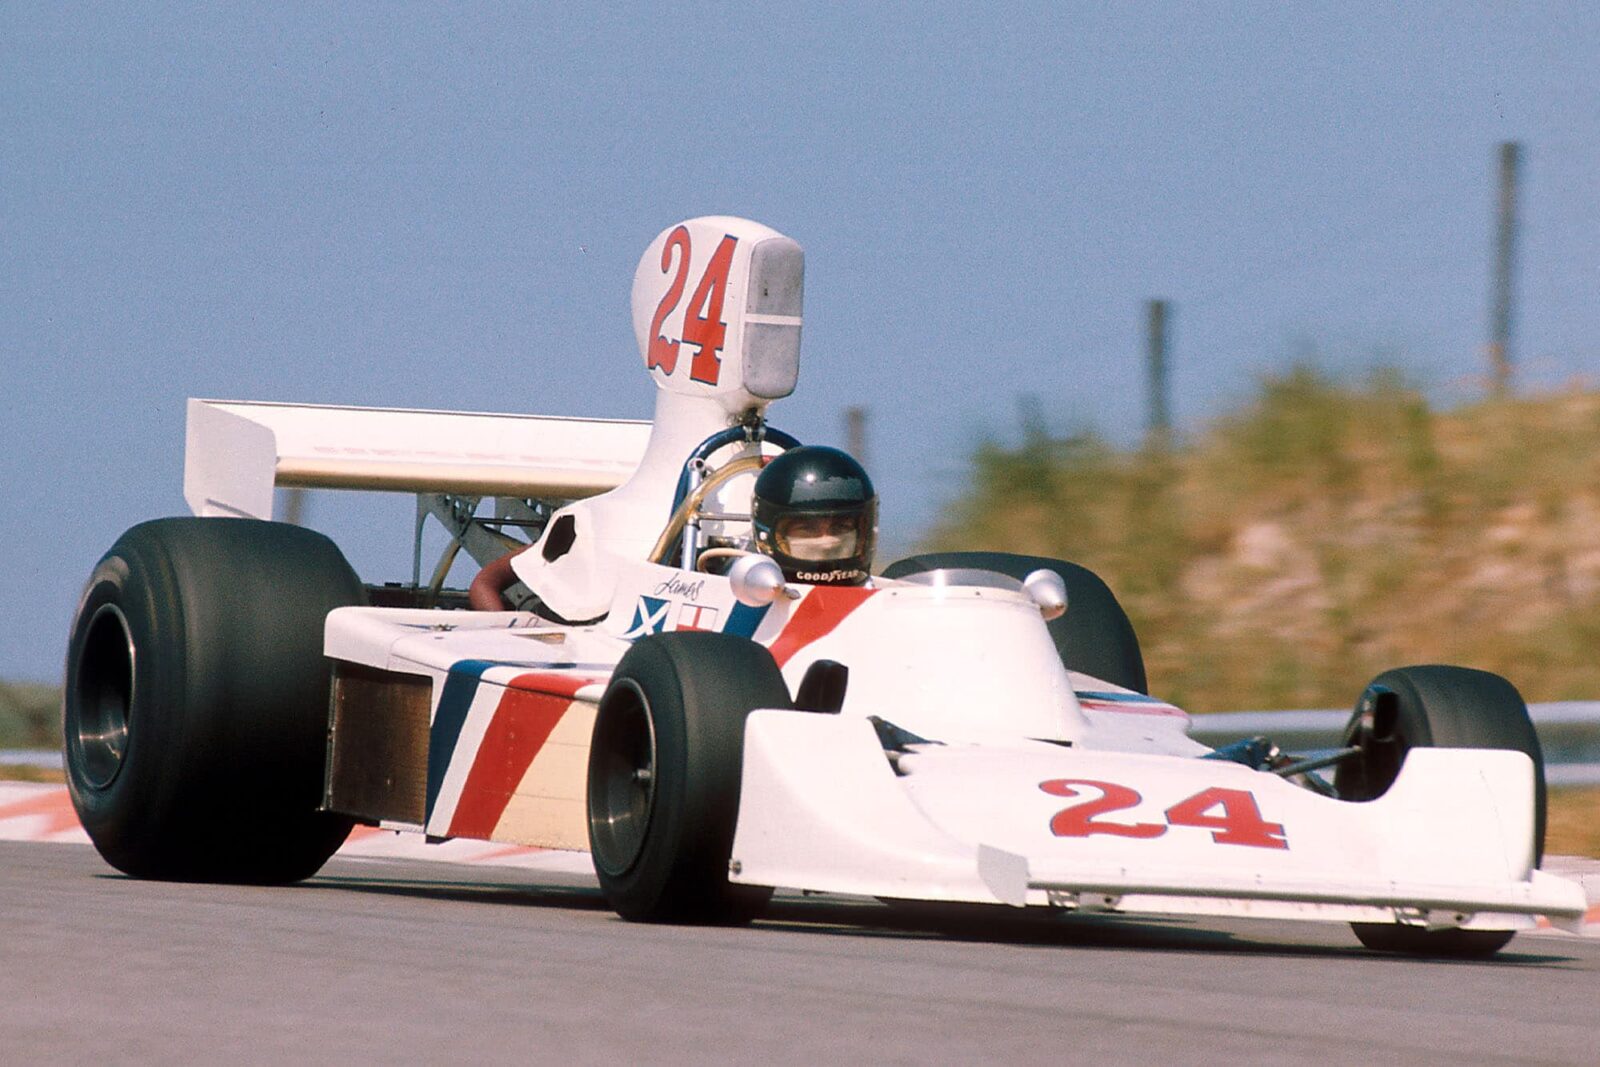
691	503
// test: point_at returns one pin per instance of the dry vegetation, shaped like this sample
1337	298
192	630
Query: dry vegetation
30	716
1326	532
1573	829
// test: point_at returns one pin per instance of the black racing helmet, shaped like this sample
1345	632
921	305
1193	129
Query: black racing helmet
816	514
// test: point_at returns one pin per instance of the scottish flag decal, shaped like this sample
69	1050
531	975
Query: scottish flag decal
649	617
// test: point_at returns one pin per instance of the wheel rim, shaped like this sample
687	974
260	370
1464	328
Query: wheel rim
622	779
102	698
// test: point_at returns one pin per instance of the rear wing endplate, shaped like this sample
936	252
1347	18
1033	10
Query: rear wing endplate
237	452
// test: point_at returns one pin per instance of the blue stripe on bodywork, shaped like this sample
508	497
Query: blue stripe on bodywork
743	619
1120	698
460	686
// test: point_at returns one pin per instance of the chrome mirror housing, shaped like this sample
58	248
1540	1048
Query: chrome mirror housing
756	579
1048	591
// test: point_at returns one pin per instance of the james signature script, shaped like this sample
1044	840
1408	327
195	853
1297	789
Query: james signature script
681	588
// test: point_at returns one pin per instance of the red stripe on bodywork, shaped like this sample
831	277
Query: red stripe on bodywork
561	685
824	608
1126	708
532	706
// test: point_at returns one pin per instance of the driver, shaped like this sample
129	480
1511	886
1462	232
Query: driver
815	513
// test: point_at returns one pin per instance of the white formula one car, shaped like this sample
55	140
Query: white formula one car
969	727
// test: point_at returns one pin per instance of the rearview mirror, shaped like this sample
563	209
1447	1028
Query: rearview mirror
1048	591
756	580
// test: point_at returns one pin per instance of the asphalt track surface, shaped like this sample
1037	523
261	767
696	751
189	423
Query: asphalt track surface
428	962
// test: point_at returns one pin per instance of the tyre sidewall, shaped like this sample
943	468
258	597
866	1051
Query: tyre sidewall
142	802
1458	707
222	772
698	689
1448	707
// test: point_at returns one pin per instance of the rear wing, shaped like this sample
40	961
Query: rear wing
237	451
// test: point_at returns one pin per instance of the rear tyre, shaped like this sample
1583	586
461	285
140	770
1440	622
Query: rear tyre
1094	637
195	702
664	776
1442	707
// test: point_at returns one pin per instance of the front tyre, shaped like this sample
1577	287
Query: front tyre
664	775
195	700
1441	707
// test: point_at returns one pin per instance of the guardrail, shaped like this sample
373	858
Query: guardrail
1569	733
45	758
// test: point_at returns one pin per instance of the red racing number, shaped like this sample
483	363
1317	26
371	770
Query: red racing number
1238	823
1079	820
664	353
702	320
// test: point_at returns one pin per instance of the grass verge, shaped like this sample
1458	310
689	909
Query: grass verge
1325	531
30	715
1574	823
32	774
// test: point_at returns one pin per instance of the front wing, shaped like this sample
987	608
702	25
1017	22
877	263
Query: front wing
825	807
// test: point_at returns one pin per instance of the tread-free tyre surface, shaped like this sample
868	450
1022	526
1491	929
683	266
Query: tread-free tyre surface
1442	707
196	700
664	775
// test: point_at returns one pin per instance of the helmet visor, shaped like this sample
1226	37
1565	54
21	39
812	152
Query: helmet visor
820	536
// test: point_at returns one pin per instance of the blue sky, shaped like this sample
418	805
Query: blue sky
431	206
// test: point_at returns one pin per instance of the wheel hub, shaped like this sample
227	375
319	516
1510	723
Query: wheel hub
622	785
101	697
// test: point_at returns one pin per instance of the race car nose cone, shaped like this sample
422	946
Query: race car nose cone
756	580
1048	591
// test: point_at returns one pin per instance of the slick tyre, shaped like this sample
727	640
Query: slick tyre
1094	637
664	776
1442	707
195	701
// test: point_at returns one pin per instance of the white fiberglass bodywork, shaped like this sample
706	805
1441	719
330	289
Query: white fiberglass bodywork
1027	784
966	763
956	663
1450	843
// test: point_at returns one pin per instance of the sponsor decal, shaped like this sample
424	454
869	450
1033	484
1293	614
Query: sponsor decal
830	577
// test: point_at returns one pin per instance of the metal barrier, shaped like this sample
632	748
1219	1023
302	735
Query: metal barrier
1569	734
46	758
